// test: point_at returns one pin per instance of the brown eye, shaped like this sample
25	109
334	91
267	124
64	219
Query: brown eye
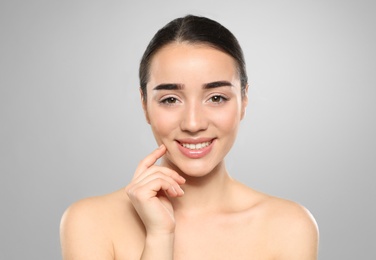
169	101
217	99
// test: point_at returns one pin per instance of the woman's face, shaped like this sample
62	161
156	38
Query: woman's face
194	105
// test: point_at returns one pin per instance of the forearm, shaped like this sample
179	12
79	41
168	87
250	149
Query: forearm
158	247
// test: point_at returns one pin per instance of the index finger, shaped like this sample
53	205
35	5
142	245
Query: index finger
150	160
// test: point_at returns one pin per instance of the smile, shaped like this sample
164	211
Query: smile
196	149
196	146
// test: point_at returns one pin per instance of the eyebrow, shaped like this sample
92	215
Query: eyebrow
218	84
210	85
169	86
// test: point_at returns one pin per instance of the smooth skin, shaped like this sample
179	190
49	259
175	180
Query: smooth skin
189	208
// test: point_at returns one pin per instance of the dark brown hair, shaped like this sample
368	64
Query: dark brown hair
194	29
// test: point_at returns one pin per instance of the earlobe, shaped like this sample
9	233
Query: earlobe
144	106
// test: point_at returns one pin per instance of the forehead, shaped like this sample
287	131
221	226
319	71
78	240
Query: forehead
185	62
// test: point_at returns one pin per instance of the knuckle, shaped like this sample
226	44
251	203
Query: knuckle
134	194
129	192
159	180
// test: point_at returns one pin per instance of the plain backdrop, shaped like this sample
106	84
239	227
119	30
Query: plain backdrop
72	124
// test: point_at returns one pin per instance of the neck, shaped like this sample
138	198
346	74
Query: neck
203	194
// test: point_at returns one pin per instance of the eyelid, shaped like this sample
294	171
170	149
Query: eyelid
222	96
162	100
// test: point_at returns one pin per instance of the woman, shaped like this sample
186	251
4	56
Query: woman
194	95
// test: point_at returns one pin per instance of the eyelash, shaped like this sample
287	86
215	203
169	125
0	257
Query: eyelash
221	98
166	101
170	101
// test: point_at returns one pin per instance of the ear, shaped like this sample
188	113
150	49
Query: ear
244	102
144	106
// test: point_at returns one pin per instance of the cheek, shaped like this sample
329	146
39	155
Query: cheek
227	120
161	123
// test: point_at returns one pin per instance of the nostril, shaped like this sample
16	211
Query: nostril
194	122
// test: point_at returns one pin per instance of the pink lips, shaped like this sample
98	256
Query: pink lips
195	153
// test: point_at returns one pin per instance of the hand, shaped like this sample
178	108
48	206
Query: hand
149	191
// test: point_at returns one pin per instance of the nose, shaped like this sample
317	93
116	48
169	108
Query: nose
193	118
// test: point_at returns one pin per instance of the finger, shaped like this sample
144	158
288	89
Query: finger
150	160
158	175
155	169
151	189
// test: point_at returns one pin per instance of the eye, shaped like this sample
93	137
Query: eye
169	101
217	99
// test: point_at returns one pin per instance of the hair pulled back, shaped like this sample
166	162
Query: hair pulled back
195	30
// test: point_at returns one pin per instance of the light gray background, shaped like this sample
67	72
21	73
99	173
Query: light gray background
72	124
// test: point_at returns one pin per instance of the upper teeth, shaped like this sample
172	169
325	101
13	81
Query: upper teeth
196	146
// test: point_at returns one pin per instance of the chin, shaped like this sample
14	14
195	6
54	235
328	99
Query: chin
194	172
193	168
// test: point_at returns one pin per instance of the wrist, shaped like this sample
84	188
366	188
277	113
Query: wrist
159	246
160	237
153	231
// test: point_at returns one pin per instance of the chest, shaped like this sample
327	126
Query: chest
212	238
220	238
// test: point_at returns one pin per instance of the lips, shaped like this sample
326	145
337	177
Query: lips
195	148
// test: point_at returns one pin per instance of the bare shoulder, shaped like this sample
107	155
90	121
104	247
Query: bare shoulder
288	216
90	227
295	229
289	228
